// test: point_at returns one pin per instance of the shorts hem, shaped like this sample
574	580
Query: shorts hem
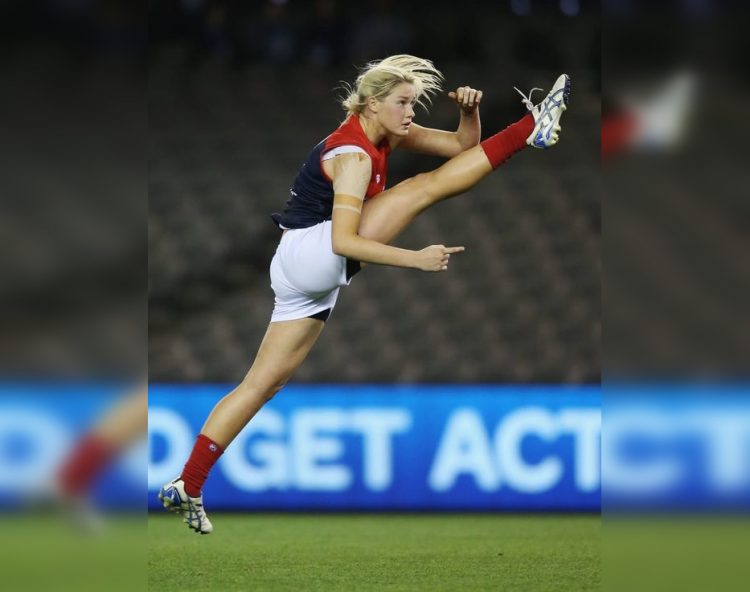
300	314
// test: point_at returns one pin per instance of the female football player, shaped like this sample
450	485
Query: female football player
339	218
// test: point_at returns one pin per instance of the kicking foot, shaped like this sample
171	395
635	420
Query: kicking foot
547	113
175	499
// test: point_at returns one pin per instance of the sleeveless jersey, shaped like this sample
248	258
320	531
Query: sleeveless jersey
311	196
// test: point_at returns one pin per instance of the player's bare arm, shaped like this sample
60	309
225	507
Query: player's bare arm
351	176
449	144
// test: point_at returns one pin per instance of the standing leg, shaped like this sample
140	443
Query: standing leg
284	347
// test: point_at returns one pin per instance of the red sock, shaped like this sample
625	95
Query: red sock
90	456
506	143
205	454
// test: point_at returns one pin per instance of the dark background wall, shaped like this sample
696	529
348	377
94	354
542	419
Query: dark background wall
239	93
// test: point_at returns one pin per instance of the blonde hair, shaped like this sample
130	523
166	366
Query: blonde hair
379	78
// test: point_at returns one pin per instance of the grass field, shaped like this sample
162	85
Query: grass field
331	552
42	553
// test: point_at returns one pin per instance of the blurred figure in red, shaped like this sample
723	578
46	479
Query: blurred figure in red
95	452
653	122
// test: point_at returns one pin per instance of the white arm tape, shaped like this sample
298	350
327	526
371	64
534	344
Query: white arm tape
348	149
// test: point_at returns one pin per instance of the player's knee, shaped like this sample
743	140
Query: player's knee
422	186
271	390
265	386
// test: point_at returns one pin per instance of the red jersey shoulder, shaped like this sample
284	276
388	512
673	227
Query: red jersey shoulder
351	133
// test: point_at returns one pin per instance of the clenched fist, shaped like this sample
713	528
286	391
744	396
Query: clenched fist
466	98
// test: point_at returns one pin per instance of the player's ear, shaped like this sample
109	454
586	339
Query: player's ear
373	104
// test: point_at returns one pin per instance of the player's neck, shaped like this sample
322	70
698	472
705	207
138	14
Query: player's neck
373	130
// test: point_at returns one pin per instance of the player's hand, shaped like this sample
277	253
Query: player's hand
466	98
435	257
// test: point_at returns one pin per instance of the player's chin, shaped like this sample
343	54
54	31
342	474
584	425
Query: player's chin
403	130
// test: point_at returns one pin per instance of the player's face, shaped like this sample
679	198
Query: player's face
397	109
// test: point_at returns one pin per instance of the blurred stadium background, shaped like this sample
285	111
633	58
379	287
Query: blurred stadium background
472	391
490	374
239	94
497	361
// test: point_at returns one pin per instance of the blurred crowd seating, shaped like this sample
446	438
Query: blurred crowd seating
521	305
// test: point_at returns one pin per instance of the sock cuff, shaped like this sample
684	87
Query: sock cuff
209	444
504	144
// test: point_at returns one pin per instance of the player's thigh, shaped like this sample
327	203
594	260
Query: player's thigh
284	347
387	215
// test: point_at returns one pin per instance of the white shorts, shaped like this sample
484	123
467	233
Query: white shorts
305	273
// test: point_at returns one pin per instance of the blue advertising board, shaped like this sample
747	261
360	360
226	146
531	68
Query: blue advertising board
39	426
676	447
463	448
339	447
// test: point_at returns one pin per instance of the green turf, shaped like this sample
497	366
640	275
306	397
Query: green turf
42	553
331	552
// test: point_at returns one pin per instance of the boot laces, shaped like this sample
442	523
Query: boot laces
527	99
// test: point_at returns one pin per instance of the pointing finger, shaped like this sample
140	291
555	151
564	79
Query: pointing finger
455	249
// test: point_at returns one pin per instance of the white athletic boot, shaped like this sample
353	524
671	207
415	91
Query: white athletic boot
175	499
547	113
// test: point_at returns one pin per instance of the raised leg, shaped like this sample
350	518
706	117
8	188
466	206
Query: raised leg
387	215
